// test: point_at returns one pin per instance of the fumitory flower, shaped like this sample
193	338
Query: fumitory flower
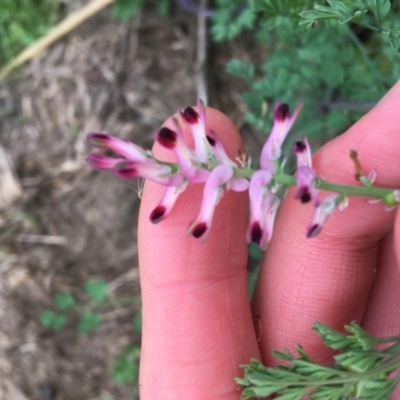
263	207
209	164
324	210
306	175
283	121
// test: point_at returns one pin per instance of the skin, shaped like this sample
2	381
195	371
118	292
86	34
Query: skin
198	325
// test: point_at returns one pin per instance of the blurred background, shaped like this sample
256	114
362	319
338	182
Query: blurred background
70	319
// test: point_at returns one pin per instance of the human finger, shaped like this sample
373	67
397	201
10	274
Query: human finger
197	326
328	278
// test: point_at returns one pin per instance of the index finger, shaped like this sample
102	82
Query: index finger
197	326
328	278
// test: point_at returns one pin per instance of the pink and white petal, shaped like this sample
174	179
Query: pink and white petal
159	173
239	184
101	161
197	124
119	146
281	127
322	213
258	193
219	151
271	208
189	163
213	190
306	190
167	202
303	153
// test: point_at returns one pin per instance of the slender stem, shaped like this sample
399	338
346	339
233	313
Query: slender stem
378	16
374	192
347	190
371	27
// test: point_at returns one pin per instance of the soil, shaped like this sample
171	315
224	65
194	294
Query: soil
62	224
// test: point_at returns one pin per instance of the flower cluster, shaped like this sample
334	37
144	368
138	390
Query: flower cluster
209	164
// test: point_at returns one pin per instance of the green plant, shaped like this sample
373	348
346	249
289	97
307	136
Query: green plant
126	9
336	71
231	18
22	22
89	317
361	371
126	365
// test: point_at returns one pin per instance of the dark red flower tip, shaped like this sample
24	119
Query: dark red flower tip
211	141
313	230
256	233
282	112
299	147
199	230
189	115
98	137
126	172
167	138
157	214
303	194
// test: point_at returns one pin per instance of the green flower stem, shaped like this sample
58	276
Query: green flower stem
347	190
290	180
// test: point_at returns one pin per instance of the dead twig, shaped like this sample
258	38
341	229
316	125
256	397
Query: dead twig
201	67
42	239
63	28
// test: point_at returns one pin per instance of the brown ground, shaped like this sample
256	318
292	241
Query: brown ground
124	78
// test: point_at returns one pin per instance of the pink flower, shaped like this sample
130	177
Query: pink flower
160	173
306	175
124	148
213	191
100	161
322	212
237	183
188	161
197	124
263	208
167	202
281	127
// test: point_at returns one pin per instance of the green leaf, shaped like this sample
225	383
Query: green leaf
59	322
379	7
359	361
126	364
331	337
97	290
338	10
339	6
88	322
241	69
394	40
231	18
137	321
126	9
362	337
64	301
51	320
46	318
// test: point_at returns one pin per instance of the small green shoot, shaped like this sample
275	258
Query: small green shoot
126	364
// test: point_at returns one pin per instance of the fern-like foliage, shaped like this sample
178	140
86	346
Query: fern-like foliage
272	9
360	371
231	18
